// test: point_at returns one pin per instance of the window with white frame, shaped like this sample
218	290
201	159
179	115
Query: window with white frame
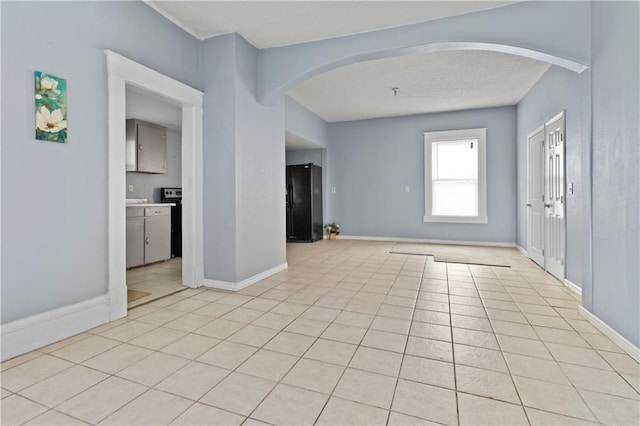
455	176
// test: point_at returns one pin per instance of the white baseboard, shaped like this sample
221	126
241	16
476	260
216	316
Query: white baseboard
426	240
231	286
573	287
36	331
522	250
617	338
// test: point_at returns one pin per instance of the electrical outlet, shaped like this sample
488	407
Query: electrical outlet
130	188
333	189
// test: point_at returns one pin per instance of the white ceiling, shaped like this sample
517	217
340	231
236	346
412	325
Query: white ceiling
149	107
272	23
427	82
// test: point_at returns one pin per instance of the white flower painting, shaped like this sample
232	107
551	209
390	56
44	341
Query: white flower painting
50	121
51	108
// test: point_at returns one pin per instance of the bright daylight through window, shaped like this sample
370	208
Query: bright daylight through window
455	176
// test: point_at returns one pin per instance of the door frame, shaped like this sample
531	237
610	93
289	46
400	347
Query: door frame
541	128
120	72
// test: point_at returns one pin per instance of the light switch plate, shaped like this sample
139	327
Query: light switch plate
407	189
130	188
570	188
333	189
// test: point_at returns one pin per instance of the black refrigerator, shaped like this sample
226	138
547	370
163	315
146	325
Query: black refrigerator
304	203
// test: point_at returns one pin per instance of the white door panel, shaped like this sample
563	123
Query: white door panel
554	199
535	202
546	198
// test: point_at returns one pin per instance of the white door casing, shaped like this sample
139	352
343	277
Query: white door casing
535	195
554	196
122	71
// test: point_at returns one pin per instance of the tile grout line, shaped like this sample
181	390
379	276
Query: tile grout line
302	355
526	415
573	386
453	346
352	356
406	343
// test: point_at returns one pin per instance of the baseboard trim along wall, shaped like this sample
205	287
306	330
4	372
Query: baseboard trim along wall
226	285
523	251
617	338
26	334
573	287
427	241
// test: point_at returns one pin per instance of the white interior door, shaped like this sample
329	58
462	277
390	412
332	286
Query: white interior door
554	196
535	201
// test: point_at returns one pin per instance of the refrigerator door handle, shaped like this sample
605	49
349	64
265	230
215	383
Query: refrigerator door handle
290	196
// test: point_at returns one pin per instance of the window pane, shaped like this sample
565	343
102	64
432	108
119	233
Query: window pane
454	198
454	160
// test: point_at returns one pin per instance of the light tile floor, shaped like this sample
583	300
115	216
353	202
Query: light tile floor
349	334
160	279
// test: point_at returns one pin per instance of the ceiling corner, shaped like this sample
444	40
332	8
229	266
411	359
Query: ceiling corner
174	20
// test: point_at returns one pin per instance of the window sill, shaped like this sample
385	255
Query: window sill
457	219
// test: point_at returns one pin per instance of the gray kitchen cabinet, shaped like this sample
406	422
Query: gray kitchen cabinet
157	234
135	241
146	147
148	235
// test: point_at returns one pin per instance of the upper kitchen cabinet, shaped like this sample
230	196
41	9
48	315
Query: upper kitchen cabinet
146	147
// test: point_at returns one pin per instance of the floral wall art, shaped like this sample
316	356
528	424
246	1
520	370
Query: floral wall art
51	108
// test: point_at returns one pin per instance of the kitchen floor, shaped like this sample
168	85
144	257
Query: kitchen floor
158	279
349	334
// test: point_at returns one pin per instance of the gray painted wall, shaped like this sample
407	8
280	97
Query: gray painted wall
558	90
372	161
304	123
146	185
219	152
304	156
54	197
244	166
260	172
616	172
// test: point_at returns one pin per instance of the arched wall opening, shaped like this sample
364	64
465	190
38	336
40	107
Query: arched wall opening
268	95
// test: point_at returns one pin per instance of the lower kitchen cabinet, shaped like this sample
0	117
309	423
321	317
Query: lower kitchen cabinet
135	241
148	235
157	237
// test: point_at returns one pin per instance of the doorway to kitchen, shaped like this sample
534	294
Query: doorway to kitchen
153	198
125	74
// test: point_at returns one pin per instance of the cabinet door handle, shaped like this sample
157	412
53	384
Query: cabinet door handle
528	204
146	241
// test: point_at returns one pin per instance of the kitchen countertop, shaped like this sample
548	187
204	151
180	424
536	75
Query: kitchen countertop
150	204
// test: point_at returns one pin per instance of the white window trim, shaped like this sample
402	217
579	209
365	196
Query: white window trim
456	135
